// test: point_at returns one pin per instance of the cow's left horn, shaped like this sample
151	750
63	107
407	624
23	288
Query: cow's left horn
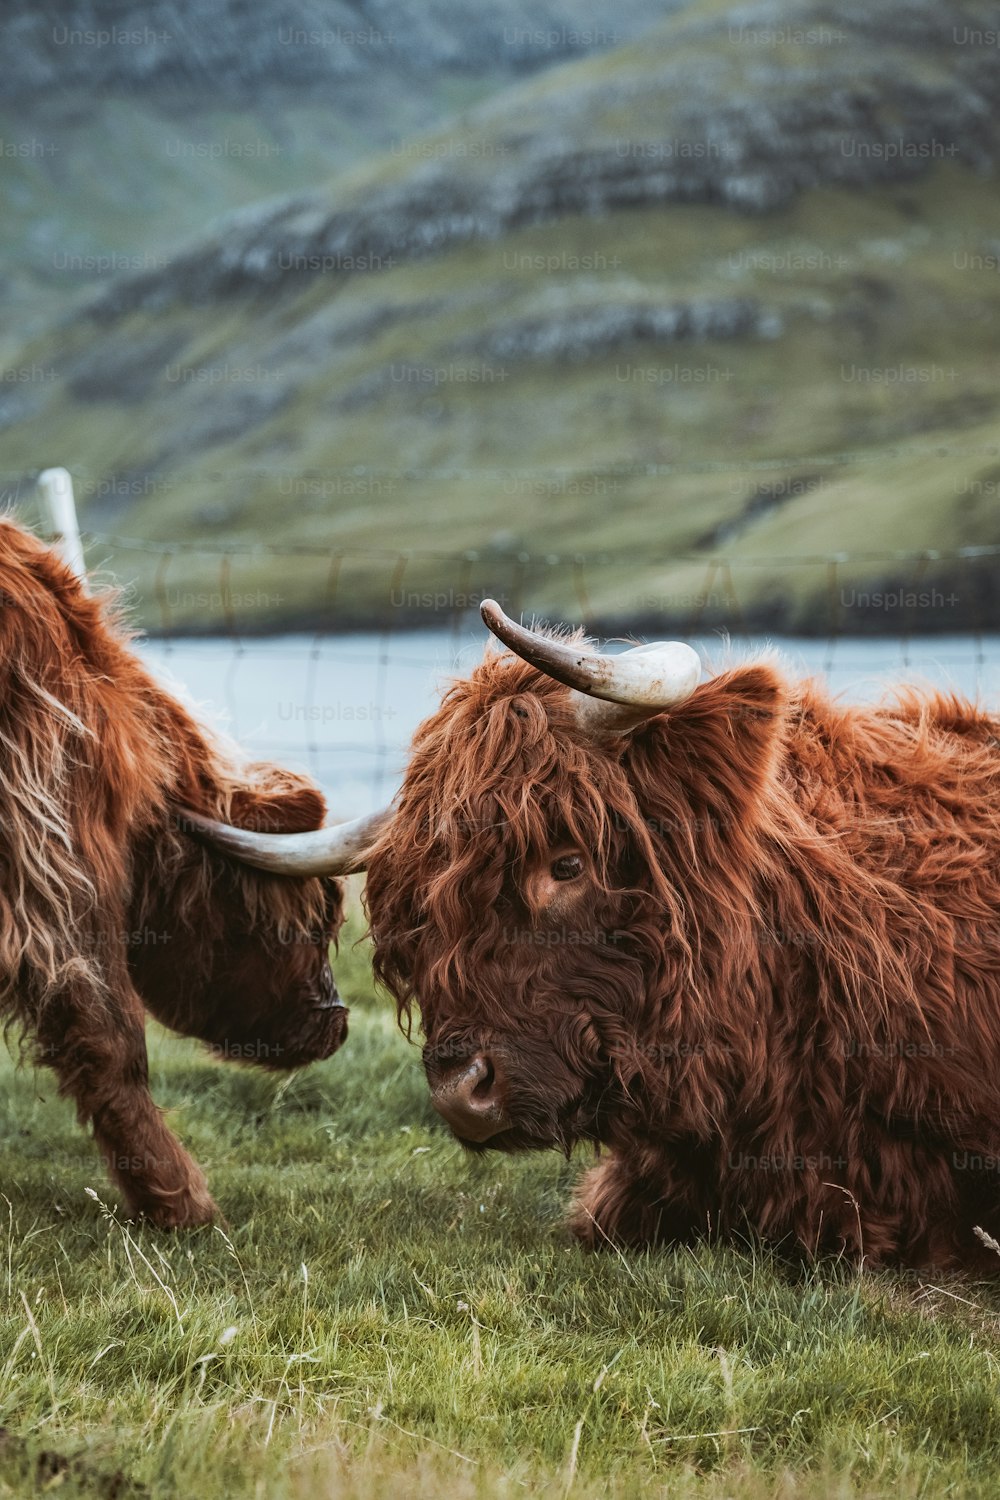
341	850
612	693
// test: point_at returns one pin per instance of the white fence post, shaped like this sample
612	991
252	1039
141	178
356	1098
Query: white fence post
56	488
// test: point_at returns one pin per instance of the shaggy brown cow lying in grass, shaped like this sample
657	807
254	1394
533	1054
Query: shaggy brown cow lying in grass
743	937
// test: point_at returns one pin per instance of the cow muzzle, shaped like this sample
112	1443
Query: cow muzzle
471	1099
329	994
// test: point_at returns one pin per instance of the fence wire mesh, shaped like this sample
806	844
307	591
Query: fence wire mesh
340	691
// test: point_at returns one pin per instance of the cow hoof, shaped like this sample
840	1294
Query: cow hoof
179	1208
186	1210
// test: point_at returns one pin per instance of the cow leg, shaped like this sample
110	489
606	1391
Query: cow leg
636	1201
97	1049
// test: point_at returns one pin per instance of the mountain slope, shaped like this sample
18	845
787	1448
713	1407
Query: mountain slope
728	290
126	128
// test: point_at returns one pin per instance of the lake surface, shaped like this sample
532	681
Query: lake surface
344	707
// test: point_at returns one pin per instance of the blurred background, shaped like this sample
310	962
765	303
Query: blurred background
667	317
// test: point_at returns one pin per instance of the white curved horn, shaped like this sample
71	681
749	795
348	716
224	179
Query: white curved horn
612	693
340	850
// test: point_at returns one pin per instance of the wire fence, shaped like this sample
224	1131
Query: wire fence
271	637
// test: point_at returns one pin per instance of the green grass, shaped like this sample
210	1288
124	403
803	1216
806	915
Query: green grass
381	1315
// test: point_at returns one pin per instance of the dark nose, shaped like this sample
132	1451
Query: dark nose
470	1098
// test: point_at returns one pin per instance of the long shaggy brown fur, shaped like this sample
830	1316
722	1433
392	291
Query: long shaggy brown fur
773	995
107	906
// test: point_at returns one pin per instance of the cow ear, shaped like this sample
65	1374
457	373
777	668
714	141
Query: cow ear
718	751
283	804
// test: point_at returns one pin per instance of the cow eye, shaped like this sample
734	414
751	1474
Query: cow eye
567	867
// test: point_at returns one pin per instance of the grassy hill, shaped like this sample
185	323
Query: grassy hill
98	188
727	292
127	127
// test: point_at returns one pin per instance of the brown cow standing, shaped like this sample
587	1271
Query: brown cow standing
107	905
743	937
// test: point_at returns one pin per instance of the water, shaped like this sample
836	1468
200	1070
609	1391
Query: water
344	708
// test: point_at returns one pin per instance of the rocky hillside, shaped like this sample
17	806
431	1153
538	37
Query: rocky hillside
727	108
234	47
126	127
725	291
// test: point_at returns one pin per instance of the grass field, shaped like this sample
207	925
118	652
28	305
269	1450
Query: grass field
383	1316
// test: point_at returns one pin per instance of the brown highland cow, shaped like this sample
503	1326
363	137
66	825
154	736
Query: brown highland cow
109	906
742	937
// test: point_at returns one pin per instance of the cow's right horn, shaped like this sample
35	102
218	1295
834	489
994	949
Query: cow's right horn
340	850
612	693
